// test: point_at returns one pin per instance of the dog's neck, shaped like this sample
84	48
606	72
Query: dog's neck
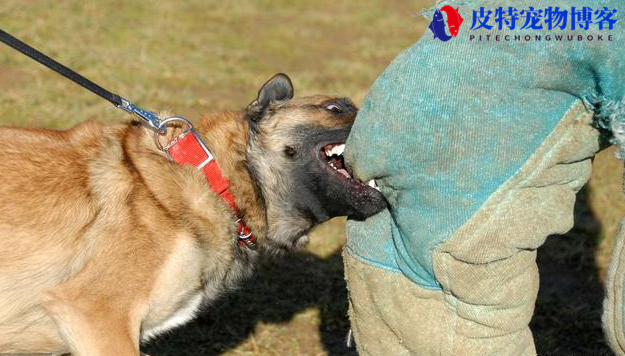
226	134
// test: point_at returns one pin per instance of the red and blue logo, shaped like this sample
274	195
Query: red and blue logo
454	20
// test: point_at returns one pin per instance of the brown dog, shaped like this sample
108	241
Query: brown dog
104	242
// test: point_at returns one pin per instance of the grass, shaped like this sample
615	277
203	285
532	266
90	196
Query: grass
195	56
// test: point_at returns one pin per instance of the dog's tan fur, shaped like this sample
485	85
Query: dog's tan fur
104	242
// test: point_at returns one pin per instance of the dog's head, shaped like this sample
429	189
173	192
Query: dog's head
295	154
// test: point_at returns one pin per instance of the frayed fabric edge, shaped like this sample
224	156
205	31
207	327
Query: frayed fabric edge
609	115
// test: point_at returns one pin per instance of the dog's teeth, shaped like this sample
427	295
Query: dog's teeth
334	150
373	185
337	149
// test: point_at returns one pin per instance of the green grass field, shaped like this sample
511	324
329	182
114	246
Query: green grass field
196	56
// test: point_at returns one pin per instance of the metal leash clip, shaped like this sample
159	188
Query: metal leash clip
149	117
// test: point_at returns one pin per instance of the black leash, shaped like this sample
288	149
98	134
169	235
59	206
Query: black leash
151	118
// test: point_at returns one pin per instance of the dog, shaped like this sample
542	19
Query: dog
105	243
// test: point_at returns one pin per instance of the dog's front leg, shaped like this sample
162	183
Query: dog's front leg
92	329
99	310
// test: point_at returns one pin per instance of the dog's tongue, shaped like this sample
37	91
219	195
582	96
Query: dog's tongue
344	172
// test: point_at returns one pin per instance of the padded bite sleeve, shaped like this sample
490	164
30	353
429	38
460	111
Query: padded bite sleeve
479	148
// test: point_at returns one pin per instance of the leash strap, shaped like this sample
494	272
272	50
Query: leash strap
124	104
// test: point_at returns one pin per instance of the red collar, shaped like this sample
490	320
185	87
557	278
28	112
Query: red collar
189	149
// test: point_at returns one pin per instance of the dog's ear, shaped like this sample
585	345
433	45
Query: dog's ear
277	89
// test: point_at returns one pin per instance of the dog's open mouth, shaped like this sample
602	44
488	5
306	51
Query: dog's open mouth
333	155
342	193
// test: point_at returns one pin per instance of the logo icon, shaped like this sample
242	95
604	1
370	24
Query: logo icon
454	20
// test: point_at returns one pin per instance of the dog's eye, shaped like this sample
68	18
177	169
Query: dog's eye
289	151
334	108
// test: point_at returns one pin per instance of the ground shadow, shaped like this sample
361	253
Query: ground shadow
567	320
281	288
